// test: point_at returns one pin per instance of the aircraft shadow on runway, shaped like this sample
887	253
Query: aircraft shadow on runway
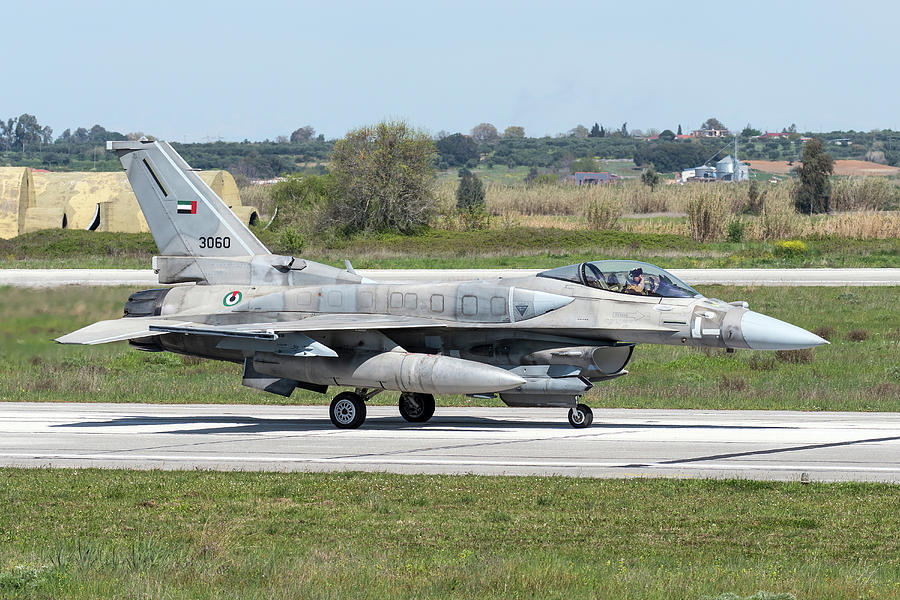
238	424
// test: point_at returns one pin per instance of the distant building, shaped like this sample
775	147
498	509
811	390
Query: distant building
710	133
771	136
588	178
728	170
677	137
705	172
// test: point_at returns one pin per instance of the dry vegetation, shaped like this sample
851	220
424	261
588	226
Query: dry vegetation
841	167
864	208
710	209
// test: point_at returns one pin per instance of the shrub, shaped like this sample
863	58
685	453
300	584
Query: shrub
857	335
474	218
642	200
732	384
778	218
801	356
603	212
297	196
761	362
867	193
825	332
735	231
470	192
755	198
790	249
383	179
706	215
650	177
290	241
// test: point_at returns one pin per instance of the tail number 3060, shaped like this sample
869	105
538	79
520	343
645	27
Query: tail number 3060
215	242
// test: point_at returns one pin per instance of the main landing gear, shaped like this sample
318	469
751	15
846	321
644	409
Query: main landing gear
348	409
581	416
416	408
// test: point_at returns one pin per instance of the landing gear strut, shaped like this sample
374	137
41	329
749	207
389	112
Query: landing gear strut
416	408
581	416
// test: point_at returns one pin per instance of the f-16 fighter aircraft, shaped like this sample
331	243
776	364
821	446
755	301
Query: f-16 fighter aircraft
535	341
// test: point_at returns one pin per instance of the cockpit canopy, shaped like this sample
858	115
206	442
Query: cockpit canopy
626	277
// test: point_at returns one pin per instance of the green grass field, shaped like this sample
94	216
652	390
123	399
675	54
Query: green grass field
502	247
130	534
858	371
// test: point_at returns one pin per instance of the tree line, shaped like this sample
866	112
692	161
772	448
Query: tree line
26	142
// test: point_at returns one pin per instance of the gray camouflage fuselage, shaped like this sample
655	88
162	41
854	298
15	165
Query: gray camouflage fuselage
537	341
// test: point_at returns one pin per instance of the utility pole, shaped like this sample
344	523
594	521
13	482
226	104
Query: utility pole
734	161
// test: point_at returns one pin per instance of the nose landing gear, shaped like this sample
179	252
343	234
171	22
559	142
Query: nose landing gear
581	416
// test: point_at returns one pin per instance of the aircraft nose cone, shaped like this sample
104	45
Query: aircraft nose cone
765	333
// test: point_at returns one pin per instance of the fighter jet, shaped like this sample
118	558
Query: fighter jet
293	323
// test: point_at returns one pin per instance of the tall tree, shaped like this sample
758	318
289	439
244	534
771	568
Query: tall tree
513	131
650	177
383	178
485	133
624	130
750	131
813	191
303	134
458	149
579	131
470	192
679	129
712	123
595	131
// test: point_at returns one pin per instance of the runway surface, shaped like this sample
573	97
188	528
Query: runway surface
763	277
765	445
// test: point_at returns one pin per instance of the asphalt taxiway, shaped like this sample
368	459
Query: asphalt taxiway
763	445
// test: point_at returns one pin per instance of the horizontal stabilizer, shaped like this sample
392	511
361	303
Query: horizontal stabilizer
115	330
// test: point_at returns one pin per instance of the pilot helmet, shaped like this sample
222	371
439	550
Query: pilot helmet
635	273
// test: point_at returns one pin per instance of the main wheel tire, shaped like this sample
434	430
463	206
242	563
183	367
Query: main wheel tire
581	416
416	408
347	411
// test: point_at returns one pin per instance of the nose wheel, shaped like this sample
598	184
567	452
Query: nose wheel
581	416
416	408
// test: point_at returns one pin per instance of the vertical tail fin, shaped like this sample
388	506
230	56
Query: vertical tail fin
185	216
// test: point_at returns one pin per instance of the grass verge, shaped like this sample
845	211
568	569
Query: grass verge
514	246
857	372
113	534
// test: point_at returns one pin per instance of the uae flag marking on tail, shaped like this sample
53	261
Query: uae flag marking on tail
187	207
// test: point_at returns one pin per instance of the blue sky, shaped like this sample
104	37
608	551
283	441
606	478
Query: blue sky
189	71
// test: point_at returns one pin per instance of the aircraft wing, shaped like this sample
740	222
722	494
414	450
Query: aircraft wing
114	330
129	328
321	322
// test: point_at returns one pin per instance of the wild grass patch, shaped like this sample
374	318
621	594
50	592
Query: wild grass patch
376	535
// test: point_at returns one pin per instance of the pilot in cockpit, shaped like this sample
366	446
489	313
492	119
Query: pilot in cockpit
635	283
